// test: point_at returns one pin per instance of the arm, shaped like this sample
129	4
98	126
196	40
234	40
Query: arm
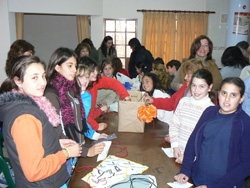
107	83
170	104
27	131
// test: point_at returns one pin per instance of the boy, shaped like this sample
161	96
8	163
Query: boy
173	67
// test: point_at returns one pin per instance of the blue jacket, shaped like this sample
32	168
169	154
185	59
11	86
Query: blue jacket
86	100
238	167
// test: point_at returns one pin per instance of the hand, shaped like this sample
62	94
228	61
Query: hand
102	126
179	160
127	98
96	149
103	135
104	108
202	186
177	152
181	178
148	100
66	142
167	138
74	151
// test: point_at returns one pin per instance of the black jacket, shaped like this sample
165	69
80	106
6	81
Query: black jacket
13	105
140	55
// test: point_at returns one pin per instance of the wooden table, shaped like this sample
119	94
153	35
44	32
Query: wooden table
142	148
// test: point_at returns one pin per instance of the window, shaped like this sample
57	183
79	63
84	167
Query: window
121	30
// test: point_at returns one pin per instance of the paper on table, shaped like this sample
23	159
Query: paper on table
180	185
105	151
168	152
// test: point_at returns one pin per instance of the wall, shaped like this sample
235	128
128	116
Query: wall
50	35
217	31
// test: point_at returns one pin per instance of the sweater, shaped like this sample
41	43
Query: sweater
187	114
238	165
106	83
41	163
230	71
163	115
211	66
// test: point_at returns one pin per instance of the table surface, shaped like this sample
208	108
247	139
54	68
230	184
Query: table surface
142	148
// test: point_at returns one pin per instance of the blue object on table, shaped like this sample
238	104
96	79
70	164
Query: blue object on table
127	85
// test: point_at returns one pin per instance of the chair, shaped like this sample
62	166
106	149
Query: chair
4	167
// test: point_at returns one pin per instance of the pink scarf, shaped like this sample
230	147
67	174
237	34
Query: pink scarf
46	106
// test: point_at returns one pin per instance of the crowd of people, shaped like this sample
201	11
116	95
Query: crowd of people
51	110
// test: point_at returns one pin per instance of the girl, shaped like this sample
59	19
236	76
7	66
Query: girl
117	64
34	149
98	82
151	84
107	68
106	50
82	75
107	96
82	49
189	111
217	153
64	94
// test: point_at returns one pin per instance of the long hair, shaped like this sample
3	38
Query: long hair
134	43
197	44
58	58
104	46
18	70
17	49
233	57
156	83
116	64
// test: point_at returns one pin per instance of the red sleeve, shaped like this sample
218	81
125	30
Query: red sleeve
171	103
106	83
123	71
27	131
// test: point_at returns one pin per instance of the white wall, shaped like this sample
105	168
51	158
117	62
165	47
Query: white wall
217	31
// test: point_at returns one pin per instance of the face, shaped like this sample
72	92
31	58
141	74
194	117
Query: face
147	84
108	71
229	98
34	81
199	88
84	52
171	71
93	76
83	81
28	53
203	50
109	43
188	77
68	68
